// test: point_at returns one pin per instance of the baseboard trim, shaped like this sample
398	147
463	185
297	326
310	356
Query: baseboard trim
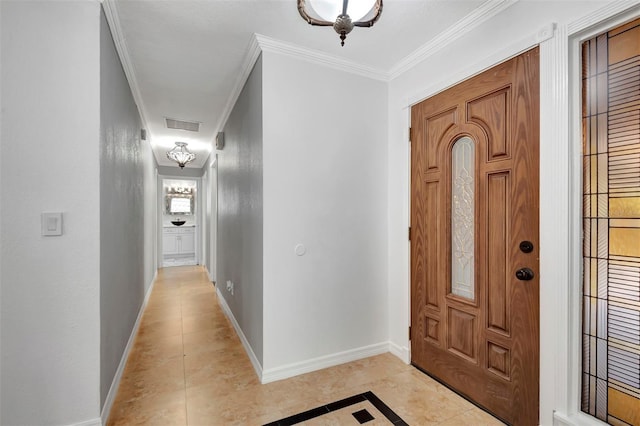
247	347
401	352
113	390
575	419
93	422
314	364
209	275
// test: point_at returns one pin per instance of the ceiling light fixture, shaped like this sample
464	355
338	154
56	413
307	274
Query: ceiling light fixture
180	154
354	13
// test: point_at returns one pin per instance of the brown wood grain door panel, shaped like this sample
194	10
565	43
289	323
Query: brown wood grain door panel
486	347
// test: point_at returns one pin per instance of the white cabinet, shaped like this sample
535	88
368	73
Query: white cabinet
169	242
178	241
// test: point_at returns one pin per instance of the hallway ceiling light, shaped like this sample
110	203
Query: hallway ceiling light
354	13
180	154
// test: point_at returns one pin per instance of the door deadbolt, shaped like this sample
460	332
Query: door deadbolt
524	274
526	246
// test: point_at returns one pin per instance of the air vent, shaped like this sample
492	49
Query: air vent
192	126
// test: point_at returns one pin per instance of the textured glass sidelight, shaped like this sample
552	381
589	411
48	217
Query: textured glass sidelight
611	227
462	218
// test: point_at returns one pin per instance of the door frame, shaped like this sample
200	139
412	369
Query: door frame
560	201
214	220
160	212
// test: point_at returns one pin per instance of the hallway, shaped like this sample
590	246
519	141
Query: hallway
188	367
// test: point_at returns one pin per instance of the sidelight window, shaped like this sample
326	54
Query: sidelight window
611	226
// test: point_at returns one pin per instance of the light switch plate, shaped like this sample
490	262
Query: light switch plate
51	224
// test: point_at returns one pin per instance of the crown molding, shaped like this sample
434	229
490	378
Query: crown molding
250	58
608	12
113	19
260	43
269	44
486	11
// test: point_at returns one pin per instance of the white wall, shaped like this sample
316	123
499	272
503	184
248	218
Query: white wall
325	186
240	250
492	42
50	311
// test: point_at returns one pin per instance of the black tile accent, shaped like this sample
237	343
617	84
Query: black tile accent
363	416
338	405
384	409
301	417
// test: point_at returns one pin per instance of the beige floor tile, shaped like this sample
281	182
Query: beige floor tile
156	409
206	321
188	367
162	313
139	381
194	307
162	348
159	329
196	290
208	340
208	298
474	417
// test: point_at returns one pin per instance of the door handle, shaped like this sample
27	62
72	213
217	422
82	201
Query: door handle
524	274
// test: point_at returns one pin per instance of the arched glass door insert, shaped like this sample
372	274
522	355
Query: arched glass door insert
463	218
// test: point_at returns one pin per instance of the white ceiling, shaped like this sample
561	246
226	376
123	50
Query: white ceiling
183	57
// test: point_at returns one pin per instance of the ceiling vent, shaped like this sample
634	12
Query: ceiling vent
192	126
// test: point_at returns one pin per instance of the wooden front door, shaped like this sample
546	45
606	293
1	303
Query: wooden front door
474	239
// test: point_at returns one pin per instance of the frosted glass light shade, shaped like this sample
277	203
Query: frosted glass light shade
330	9
342	15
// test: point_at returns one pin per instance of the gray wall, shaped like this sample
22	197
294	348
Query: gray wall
50	312
239	254
122	271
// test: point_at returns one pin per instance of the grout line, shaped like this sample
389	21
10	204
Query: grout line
184	368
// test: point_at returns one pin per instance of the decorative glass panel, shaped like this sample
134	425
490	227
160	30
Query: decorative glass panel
611	233
462	218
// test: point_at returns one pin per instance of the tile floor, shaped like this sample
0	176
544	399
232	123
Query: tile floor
188	367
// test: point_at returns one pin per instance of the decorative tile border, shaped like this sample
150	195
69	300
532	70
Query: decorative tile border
338	405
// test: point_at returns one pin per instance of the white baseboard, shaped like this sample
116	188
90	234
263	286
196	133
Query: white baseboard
576	419
92	422
113	390
209	275
401	352
314	364
243	338
291	370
